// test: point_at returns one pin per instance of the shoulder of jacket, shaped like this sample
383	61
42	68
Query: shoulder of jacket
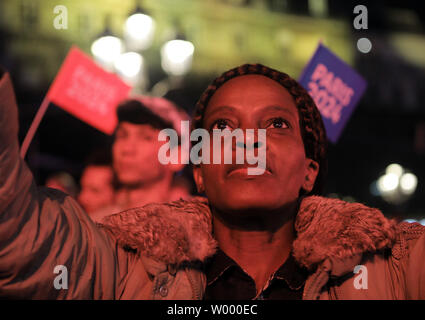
407	235
336	230
173	233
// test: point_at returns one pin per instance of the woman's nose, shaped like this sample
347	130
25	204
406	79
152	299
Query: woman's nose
253	139
249	145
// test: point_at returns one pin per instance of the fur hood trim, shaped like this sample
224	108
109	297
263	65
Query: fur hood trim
180	231
337	230
172	233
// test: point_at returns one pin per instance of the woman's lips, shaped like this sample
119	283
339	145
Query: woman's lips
243	172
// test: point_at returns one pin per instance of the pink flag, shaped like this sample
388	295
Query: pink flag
88	92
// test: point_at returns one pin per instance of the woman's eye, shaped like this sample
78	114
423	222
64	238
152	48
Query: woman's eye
278	123
220	124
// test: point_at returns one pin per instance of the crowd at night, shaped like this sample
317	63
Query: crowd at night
212	150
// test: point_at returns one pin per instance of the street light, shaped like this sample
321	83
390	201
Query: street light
408	183
388	182
139	30
131	67
125	58
176	56
107	48
396	185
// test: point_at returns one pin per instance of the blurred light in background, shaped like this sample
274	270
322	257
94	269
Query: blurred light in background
129	66
318	8
124	58
408	183
388	182
395	169
396	185
139	30
422	222
106	50
176	56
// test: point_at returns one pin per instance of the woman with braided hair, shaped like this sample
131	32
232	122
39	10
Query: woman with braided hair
267	236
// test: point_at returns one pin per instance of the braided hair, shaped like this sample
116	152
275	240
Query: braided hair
313	132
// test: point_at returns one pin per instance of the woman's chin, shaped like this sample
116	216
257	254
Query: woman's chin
246	202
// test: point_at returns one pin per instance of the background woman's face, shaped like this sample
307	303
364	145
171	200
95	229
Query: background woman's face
257	102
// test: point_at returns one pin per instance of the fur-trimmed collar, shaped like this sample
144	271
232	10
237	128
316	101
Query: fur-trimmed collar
180	231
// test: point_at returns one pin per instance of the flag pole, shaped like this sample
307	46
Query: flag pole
34	125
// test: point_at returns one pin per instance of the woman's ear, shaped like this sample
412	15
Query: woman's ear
311	172
199	179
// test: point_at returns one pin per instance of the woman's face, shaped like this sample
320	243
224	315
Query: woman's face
257	102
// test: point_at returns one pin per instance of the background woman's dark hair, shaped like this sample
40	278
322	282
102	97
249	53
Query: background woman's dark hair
312	129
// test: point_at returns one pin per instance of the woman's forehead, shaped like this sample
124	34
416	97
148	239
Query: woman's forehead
251	92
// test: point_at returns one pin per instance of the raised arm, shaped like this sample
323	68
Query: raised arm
43	231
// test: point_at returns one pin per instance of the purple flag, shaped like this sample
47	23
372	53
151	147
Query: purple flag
335	87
